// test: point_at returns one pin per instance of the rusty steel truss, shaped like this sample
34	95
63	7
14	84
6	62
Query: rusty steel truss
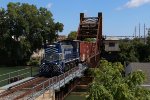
91	27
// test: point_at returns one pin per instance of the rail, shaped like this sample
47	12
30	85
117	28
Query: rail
54	83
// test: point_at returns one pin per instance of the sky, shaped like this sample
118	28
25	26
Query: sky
120	17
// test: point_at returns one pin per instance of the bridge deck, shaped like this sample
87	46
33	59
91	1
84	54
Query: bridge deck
60	82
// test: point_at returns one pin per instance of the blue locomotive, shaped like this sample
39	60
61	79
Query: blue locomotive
60	57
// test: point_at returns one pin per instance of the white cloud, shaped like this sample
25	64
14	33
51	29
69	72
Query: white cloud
136	3
133	4
49	5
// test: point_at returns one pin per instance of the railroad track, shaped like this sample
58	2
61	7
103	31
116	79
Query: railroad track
24	89
29	89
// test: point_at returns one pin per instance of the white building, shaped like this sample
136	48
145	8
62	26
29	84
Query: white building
111	44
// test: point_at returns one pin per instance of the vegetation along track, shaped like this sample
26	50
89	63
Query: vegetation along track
21	90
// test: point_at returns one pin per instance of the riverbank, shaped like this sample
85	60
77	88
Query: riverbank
76	96
24	71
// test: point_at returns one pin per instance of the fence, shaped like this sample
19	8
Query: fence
17	75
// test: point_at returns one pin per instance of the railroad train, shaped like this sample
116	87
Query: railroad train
60	57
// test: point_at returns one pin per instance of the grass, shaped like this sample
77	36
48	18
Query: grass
4	70
73	96
77	94
27	72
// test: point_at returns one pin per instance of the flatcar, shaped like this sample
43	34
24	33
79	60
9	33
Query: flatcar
60	57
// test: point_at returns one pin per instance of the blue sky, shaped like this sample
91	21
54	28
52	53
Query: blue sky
119	16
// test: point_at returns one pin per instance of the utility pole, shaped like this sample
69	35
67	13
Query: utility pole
144	35
135	31
139	30
148	33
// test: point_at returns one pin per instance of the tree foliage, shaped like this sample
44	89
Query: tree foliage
23	29
110	84
90	39
72	35
134	50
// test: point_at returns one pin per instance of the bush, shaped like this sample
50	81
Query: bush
109	84
34	62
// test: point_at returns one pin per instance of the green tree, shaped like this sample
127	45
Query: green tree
131	50
134	50
23	29
90	39
72	35
148	38
110	84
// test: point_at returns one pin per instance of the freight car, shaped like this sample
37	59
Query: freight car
60	57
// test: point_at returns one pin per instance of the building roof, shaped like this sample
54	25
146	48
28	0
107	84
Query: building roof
112	38
61	37
145	67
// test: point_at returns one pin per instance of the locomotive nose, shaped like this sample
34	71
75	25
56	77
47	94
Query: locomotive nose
50	69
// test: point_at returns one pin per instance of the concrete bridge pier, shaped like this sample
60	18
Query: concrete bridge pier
48	95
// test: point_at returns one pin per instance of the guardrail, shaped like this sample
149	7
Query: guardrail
54	83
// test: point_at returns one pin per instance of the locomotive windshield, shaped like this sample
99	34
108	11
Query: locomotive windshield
52	57
51	54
